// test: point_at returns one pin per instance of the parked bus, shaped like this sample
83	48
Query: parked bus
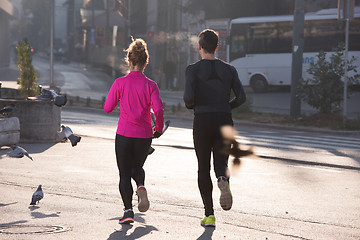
260	47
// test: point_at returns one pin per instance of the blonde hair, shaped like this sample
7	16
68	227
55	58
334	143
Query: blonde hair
137	52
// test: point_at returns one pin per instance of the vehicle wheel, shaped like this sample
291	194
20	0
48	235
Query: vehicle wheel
259	84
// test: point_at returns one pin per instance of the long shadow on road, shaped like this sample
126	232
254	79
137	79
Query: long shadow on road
138	232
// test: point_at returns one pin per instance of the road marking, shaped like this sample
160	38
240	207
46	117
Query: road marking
258	173
319	169
351	141
288	142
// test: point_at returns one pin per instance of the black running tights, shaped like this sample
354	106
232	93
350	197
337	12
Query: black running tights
207	140
131	154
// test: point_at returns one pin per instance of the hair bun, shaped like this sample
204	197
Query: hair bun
137	52
139	45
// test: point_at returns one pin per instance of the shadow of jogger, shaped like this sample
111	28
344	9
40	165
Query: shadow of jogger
138	232
207	234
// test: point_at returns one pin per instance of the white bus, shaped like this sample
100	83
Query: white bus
260	47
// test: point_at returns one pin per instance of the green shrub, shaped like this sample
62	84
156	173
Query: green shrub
28	76
325	90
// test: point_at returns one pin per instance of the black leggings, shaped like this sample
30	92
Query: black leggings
207	139
131	154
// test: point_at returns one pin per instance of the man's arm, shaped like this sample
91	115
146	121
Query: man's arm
189	92
240	96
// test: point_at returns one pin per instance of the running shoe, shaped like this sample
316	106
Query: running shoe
143	201
127	218
208	221
225	196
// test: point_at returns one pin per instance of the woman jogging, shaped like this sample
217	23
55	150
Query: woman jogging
136	94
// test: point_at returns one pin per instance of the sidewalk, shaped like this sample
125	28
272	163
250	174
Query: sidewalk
82	200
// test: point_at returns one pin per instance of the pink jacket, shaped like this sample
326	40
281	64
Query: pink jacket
137	94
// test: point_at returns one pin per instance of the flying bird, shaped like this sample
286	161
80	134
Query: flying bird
61	135
37	196
5	111
74	139
235	151
166	125
232	147
51	94
19	152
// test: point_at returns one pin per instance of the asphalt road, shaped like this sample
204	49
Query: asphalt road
275	196
300	185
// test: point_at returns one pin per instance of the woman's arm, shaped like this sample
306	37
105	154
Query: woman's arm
112	98
158	108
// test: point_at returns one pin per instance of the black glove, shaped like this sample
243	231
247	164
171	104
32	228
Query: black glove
156	134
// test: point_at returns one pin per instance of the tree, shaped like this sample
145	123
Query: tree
28	76
324	91
38	29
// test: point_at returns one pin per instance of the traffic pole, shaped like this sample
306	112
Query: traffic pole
297	57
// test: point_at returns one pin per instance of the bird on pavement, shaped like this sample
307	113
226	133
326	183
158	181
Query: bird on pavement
19	152
68	133
5	111
37	196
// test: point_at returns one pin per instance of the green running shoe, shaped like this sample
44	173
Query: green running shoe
208	221
225	196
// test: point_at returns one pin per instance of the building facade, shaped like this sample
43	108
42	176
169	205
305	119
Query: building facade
6	12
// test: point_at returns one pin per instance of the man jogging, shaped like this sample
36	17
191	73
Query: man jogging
209	83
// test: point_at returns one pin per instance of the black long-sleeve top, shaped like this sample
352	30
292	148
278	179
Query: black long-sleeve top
208	87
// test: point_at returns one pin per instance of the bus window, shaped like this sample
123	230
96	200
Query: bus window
323	35
237	43
354	36
269	38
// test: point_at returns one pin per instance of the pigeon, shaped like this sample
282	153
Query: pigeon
48	95
18	152
7	109
37	196
61	136
74	139
235	151
232	147
153	122
166	125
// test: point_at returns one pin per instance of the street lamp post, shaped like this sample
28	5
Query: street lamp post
52	7
346	12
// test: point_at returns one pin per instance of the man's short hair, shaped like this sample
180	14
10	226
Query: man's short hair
208	40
